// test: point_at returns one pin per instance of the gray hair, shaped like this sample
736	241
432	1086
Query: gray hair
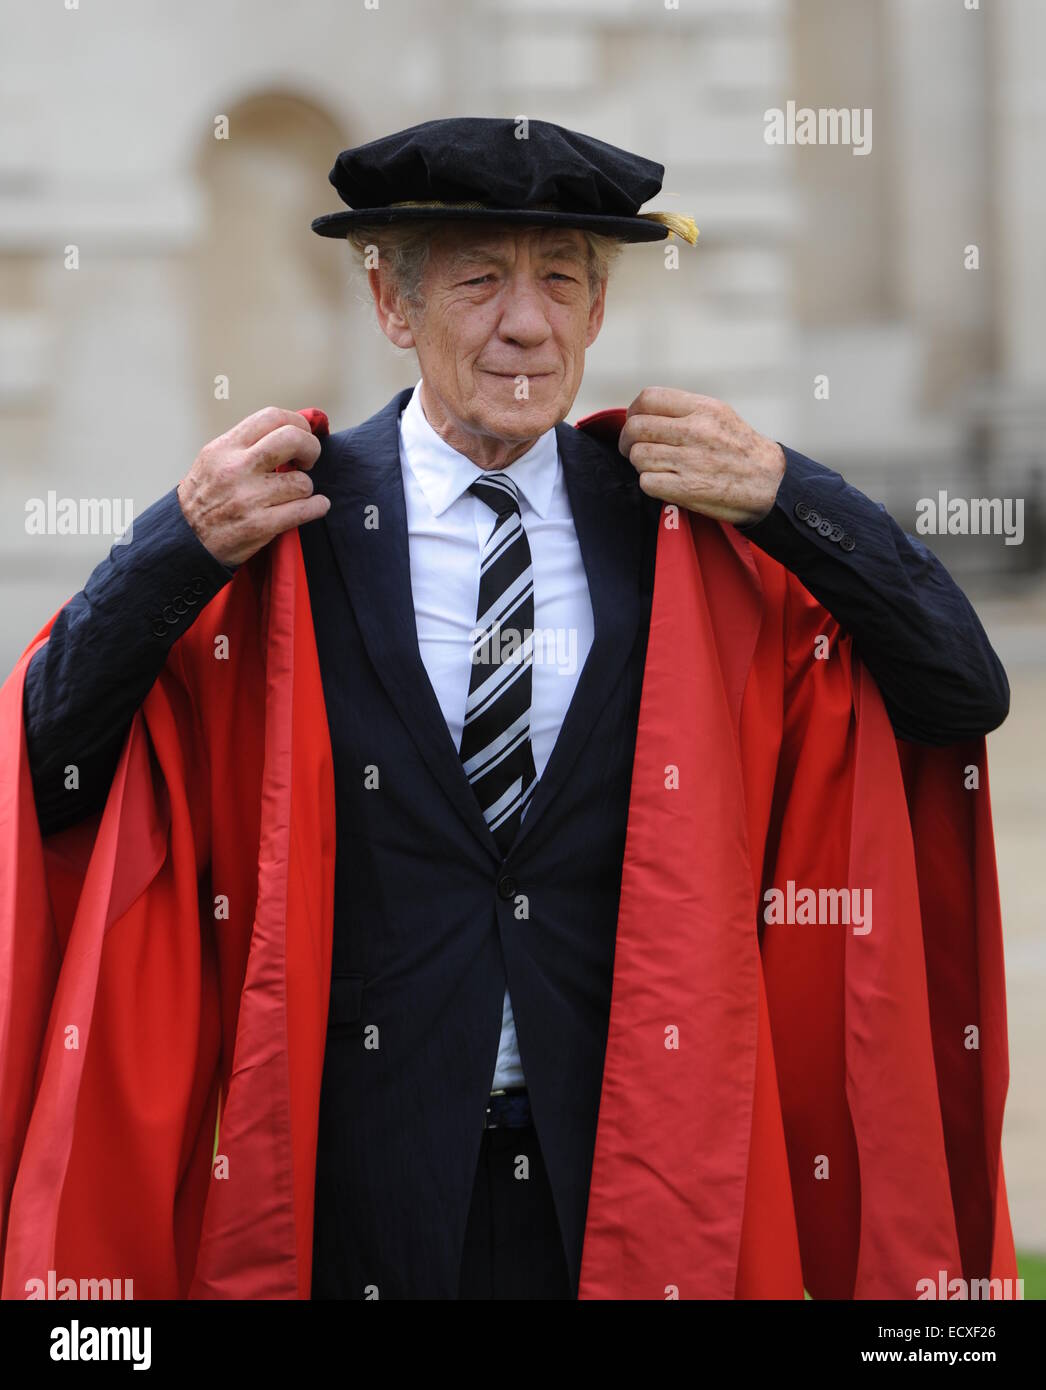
403	250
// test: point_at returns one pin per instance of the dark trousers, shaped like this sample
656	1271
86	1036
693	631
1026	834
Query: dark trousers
513	1248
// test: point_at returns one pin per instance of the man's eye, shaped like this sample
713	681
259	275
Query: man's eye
478	280
559	275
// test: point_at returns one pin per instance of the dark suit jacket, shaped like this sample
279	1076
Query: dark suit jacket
430	920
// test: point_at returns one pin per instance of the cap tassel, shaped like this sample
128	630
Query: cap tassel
684	227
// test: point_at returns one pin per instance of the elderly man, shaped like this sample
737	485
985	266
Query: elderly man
480	579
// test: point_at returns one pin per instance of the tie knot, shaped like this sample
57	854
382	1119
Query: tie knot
499	493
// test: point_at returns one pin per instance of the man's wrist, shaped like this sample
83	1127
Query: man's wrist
162	576
749	526
218	568
813	515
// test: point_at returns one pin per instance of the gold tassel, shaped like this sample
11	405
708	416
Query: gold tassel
685	227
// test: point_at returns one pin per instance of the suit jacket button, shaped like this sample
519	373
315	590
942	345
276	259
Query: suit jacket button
169	614
847	543
507	887
802	511
159	627
813	518
824	527
837	533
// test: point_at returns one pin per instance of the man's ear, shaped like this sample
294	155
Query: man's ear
595	313
389	308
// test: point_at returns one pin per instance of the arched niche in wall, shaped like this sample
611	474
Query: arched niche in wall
272	297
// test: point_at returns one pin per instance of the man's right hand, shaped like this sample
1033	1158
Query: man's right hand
234	499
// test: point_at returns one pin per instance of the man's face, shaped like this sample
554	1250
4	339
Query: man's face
502	332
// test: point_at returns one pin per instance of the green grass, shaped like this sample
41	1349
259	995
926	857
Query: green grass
1032	1269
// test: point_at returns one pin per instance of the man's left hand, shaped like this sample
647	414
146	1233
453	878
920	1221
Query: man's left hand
698	453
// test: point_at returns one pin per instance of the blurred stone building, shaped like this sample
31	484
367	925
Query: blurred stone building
196	262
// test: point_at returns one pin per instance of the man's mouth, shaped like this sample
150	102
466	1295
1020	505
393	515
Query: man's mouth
514	376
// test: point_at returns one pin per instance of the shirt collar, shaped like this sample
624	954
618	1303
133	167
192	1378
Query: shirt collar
444	475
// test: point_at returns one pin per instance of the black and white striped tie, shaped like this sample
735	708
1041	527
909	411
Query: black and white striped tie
495	742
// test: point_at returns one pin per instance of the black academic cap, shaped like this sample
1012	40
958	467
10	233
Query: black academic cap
481	169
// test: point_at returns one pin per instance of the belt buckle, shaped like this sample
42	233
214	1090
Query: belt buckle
486	1122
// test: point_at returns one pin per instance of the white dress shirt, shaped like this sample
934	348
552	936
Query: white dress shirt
446	529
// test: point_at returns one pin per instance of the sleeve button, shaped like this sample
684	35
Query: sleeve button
813	519
802	511
836	534
847	543
159	627
825	527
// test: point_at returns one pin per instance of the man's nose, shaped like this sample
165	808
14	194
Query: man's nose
523	317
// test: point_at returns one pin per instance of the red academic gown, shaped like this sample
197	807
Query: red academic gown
784	1104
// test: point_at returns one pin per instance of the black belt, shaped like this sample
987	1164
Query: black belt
508	1109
